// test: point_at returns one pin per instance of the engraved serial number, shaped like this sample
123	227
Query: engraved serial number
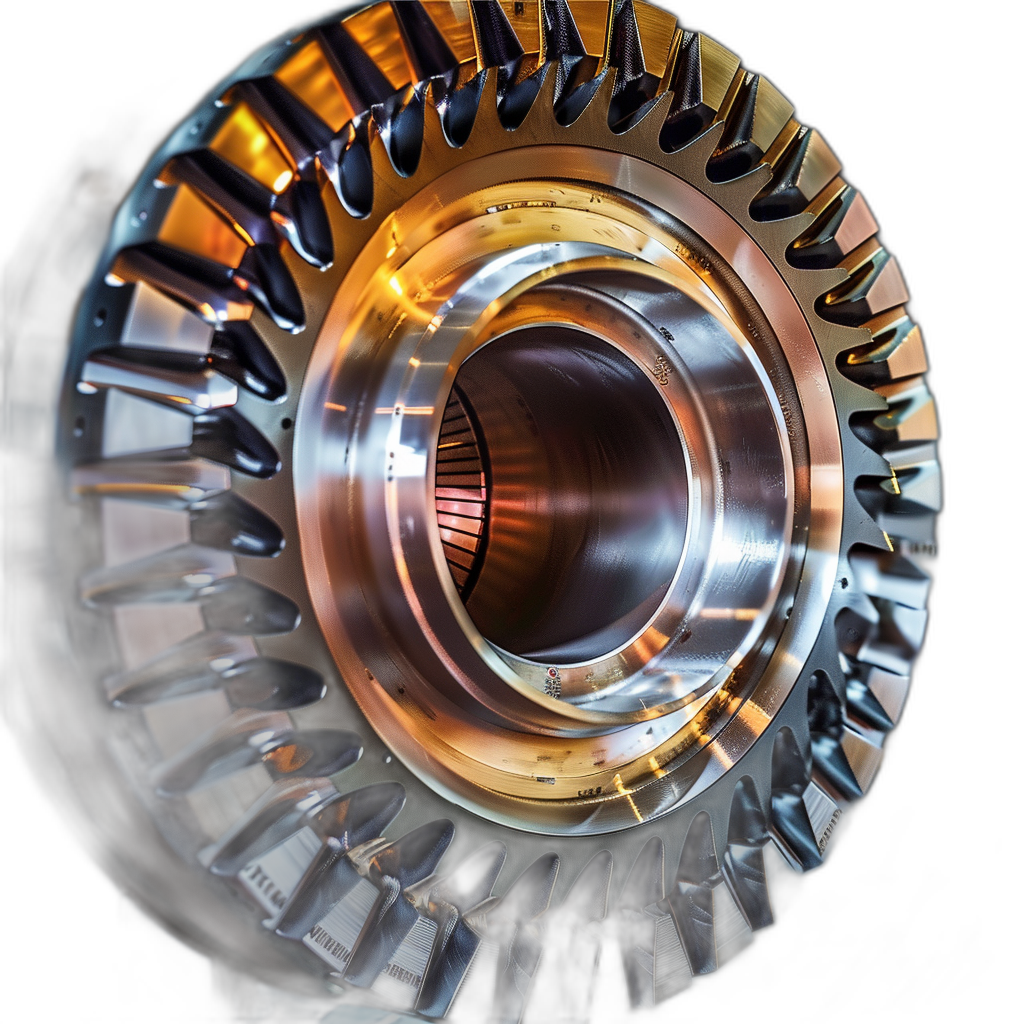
338	950
829	828
661	371
261	880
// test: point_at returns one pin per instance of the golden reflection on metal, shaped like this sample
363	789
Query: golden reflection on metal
288	758
593	22
657	29
455	24
243	141
772	112
191	224
783	143
719	68
820	166
524	17
130	488
375	29
621	789
309	77
282	181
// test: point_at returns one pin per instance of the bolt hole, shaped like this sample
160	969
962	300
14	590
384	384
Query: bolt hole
844	583
100	318
286	423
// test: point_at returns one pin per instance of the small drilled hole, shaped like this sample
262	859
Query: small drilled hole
100	318
286	423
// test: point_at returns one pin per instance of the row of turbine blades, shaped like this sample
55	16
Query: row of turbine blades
310	125
382	921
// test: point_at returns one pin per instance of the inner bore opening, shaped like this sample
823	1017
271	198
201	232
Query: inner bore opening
561	494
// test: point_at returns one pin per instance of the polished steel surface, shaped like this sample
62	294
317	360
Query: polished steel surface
587	483
498	457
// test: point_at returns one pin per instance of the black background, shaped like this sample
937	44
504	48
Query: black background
93	90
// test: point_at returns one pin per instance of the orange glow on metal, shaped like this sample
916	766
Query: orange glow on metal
657	29
407	410
621	789
309	76
376	31
289	758
592	18
525	21
132	488
454	23
244	141
739	614
193	225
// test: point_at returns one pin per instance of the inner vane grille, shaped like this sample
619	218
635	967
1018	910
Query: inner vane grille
461	494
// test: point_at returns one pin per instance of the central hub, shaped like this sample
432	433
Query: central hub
561	494
547	498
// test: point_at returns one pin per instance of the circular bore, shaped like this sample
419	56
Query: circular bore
586	481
